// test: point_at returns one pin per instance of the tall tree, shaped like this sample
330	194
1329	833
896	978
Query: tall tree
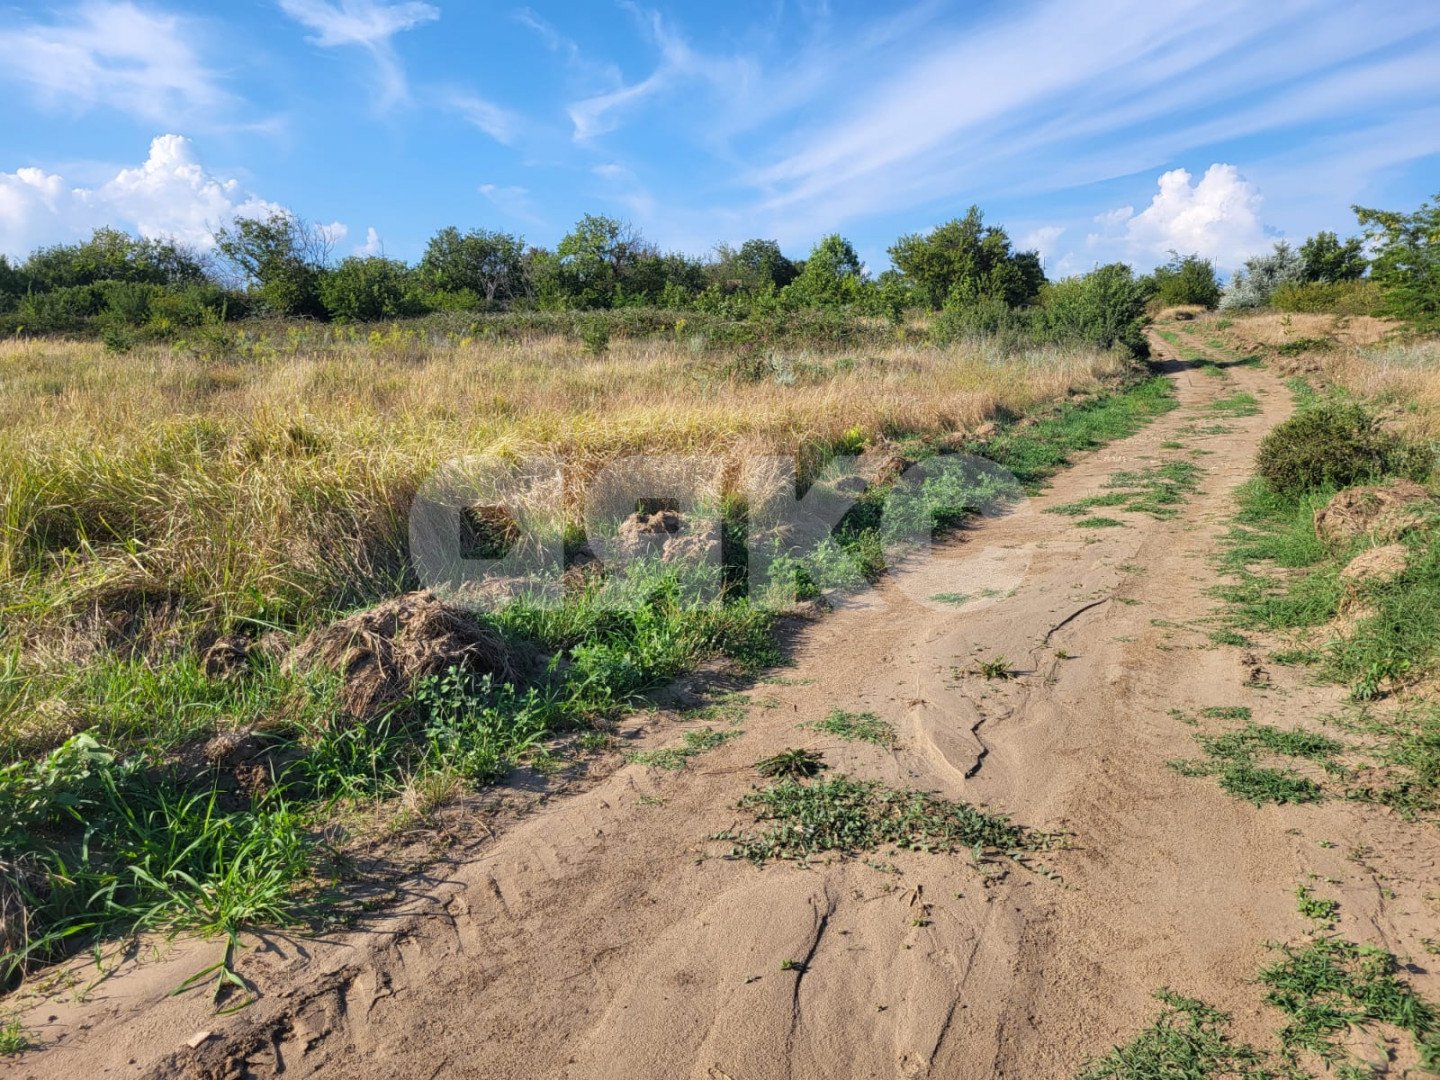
967	260
489	264
757	265
280	258
1407	260
832	276
1328	259
591	262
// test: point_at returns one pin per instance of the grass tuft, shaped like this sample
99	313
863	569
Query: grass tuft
792	764
846	816
857	727
1189	1039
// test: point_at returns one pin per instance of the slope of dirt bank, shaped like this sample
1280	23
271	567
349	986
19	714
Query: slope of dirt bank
599	936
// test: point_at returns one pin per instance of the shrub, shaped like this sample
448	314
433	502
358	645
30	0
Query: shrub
60	310
1105	307
1253	286
365	289
989	317
111	255
1187	280
1329	298
1332	445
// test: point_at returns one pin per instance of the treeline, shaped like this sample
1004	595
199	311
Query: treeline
966	273
1392	269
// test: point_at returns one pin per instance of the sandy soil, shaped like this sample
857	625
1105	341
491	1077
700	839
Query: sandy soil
603	935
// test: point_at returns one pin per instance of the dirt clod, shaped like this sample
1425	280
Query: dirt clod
669	534
1381	512
382	651
228	657
1378	566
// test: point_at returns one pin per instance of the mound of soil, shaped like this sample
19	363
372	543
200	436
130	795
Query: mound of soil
1378	566
228	657
382	651
668	533
1381	512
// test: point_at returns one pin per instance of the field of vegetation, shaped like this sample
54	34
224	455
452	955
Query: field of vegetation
219	671
176	527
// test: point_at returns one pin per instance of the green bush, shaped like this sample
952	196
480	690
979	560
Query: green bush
1105	307
1187	280
1333	445
367	289
989	317
1329	298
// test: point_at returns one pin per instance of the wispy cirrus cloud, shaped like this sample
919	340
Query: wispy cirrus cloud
1119	90
513	201
500	123
369	25
135	59
679	64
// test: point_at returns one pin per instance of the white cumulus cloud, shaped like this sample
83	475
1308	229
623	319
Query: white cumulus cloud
1216	217
170	194
372	246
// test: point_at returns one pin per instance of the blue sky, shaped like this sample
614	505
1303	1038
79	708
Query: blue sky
1093	131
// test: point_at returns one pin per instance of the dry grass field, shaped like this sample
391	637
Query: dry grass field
279	481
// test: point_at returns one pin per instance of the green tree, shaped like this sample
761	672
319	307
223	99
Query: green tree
280	258
966	260
12	284
1406	265
1328	259
832	276
1186	280
368	288
1105	307
590	264
112	255
669	280
489	264
756	266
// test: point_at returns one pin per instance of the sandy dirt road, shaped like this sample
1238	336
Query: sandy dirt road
603	936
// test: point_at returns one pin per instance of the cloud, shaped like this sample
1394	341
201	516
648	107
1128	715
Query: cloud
169	195
679	64
372	245
513	201
122	56
1125	88
1041	239
368	24
1217	217
496	121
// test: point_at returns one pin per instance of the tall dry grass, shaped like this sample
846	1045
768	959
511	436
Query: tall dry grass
1368	357
276	486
